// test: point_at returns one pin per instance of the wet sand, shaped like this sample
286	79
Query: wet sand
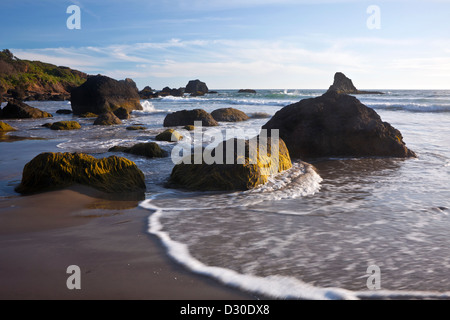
41	235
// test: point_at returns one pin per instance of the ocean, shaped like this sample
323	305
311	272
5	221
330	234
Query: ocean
306	234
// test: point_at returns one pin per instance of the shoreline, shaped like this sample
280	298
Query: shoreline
42	234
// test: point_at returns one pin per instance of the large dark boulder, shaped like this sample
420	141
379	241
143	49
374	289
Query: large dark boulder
336	125
342	84
229	115
100	94
247	171
16	109
147	93
188	117
196	87
49	171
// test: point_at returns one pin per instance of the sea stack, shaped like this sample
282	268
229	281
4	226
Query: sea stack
196	87
342	84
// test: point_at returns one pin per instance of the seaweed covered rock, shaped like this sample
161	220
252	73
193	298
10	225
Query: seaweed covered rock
249	168
229	115
16	109
336	125
65	125
4	127
50	171
146	149
107	119
100	94
188	117
88	115
169	135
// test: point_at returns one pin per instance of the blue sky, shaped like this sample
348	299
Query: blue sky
283	44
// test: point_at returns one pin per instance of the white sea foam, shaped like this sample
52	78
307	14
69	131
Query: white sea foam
148	107
275	286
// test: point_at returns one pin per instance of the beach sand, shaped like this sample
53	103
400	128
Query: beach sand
41	235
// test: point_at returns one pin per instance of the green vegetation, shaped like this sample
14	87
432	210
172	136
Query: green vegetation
32	75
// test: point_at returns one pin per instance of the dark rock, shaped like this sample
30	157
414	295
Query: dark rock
122	113
212	92
47	125
49	171
148	149
100	94
64	111
189	127
107	119
65	125
336	125
166	91
196	86
342	84
147	93
188	117
238	176
197	94
16	109
17	93
247	91
229	115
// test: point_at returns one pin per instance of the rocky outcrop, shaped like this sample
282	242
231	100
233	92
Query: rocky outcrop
147	93
16	109
50	171
64	111
147	149
188	117
107	119
336	125
65	125
100	94
196	87
229	115
171	92
169	135
243	175
38	80
247	91
4	127
88	115
342	84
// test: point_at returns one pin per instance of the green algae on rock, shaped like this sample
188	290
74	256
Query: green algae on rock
50	171
65	125
4	127
249	169
169	135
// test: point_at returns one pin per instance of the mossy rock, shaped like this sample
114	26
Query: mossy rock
50	171
229	115
189	117
169	135
107	119
248	170
189	127
134	128
4	127
88	115
147	149
65	125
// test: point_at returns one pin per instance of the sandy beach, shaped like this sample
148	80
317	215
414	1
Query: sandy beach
41	235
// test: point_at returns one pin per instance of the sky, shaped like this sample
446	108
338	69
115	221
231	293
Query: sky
234	44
